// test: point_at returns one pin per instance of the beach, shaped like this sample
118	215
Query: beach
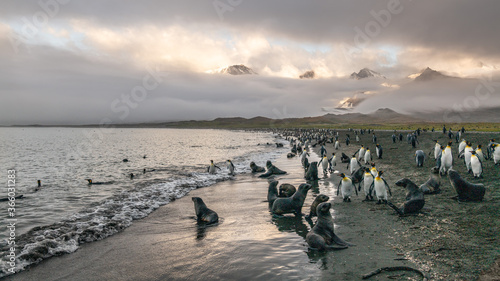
250	244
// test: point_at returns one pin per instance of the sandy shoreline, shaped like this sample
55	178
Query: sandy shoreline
249	244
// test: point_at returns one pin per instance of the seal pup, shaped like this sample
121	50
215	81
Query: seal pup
204	214
98	182
419	158
431	186
466	191
291	204
318	200
414	198
230	167
380	185
322	237
271	170
212	167
286	190
344	158
312	172
476	165
272	192
256	169
346	186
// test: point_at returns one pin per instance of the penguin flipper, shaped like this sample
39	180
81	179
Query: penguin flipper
388	188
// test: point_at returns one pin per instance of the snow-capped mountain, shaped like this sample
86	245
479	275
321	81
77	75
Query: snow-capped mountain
233	70
365	73
430	74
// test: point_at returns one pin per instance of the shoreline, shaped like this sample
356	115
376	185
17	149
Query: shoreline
245	245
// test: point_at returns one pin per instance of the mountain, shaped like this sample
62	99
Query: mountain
308	75
233	70
430	74
366	73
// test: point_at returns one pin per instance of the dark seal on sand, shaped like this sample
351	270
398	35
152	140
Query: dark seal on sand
256	169
319	199
271	170
312	172
286	190
204	214
291	204
322	237
431	186
466	191
414	198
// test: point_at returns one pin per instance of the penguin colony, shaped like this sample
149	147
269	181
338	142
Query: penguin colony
363	174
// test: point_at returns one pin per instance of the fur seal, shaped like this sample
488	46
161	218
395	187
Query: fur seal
322	237
312	172
8	198
290	155
466	191
286	190
204	214
272	192
414	198
256	169
318	200
431	186
291	204
344	158
271	170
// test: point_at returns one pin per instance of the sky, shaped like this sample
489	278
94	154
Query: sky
110	61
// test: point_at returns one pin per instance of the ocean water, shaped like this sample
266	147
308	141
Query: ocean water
66	211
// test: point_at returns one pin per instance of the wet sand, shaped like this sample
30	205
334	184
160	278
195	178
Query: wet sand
248	243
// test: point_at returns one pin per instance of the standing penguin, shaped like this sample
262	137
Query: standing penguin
367	183
476	165
461	148
333	162
380	188
446	159
361	152
394	138
373	169
368	156
324	164
467	156
378	149
337	145
230	167
346	186
496	153
479	153
419	158
357	138
211	168
374	138
437	149
354	164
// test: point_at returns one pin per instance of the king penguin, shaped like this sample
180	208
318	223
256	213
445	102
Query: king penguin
230	167
476	165
446	159
380	188
346	186
368	156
